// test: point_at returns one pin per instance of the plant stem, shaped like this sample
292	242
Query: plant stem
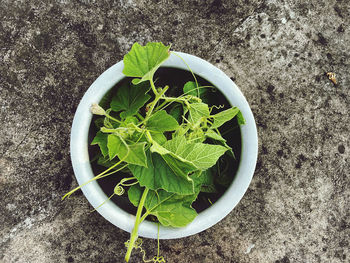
161	105
158	96
153	88
158	241
144	216
194	76
140	116
134	233
114	119
113	172
149	137
167	99
124	129
101	175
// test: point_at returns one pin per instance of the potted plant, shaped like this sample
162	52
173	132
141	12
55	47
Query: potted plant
167	145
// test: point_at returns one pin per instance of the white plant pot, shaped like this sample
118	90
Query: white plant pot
205	219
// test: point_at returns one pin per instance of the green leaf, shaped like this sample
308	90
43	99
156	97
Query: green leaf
224	116
130	99
164	173
104	161
170	209
197	136
132	154
202	155
104	102
190	88
161	121
99	122
101	140
156	147
224	179
176	112
143	61
240	118
137	154
116	147
224	169
134	194
197	111
159	137
215	136
131	119
181	131
204	181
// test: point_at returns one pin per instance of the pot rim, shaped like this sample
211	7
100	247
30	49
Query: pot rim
208	217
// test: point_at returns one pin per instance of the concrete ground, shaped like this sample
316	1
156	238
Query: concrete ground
277	52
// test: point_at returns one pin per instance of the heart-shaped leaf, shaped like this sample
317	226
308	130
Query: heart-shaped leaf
143	61
171	209
130	98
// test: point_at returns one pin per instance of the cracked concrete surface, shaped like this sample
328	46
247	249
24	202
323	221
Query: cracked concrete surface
277	52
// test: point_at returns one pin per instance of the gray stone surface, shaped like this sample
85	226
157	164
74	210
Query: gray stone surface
297	207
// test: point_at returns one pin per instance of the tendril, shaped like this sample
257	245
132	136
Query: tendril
122	181
119	190
138	245
216	107
157	259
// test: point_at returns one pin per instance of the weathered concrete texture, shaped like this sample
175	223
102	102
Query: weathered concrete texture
297	208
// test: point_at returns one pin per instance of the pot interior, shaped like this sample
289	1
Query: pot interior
175	78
